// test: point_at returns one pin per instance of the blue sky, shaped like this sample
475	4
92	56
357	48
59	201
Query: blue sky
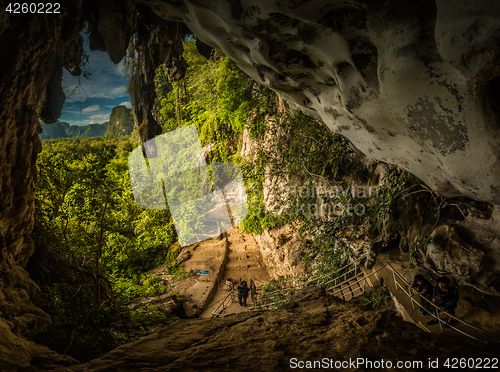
105	89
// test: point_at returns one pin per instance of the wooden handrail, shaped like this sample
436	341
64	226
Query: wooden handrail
316	278
215	313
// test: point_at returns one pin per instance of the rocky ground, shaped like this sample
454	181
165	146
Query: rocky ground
313	327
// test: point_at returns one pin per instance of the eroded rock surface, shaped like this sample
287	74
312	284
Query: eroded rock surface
409	83
157	41
34	50
281	250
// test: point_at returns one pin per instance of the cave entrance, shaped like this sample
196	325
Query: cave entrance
91	96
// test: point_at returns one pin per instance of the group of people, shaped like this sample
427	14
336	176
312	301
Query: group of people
444	296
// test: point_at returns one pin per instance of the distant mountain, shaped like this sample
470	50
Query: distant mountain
91	130
56	130
60	129
121	122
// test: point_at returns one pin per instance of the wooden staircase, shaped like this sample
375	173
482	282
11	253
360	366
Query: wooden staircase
349	288
347	282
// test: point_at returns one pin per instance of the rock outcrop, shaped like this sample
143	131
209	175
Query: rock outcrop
121	122
413	84
312	327
157	41
35	47
281	251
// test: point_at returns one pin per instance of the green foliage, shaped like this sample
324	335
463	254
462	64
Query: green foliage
215	95
90	130
329	255
93	244
178	298
258	218
303	150
275	292
373	298
55	130
220	100
149	315
395	183
304	147
419	246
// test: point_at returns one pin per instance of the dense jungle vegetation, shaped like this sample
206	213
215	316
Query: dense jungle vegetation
95	246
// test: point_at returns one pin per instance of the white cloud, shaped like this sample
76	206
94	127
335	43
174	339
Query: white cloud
92	99
104	82
90	109
117	92
79	122
99	118
126	104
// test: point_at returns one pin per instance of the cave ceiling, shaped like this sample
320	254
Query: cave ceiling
409	83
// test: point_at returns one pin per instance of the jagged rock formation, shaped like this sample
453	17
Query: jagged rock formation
157	41
412	84
281	250
54	130
463	244
60	129
90	130
34	50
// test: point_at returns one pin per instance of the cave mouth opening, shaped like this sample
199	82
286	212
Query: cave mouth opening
91	95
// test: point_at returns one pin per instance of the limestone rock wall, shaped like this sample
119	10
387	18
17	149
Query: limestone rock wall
34	50
157	41
468	251
281	250
410	83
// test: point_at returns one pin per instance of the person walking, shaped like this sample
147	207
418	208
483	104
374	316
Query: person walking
243	293
445	297
424	289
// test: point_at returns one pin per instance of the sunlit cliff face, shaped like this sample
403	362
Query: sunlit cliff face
409	83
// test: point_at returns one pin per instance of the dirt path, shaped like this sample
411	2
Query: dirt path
238	258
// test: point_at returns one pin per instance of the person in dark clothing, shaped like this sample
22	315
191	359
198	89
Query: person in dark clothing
243	293
424	289
445	298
